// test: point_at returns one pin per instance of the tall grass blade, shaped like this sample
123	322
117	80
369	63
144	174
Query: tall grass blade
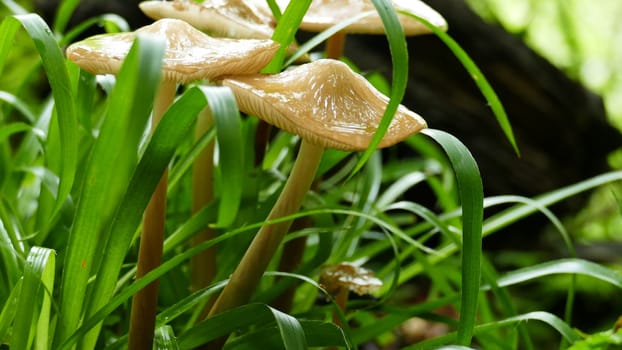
115	148
562	266
12	129
477	76
231	159
165	339
319	334
9	309
323	36
225	323
399	61
63	14
44	329
56	71
291	331
34	300
555	322
175	125
285	31
18	104
472	199
106	20
8	30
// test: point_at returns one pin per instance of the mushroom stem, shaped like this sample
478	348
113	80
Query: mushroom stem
335	44
247	275
341	299
144	303
203	265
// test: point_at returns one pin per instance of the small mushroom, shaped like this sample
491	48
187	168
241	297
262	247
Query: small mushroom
189	55
323	14
328	105
338	280
226	18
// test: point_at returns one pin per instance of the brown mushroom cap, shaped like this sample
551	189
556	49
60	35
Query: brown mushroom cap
324	102
346	275
323	14
227	18
190	54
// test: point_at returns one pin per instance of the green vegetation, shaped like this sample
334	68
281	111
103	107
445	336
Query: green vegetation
78	168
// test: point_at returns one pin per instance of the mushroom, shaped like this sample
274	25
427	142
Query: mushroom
190	55
323	14
328	105
227	18
338	280
240	19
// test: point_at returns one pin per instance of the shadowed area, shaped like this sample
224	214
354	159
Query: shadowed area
560	126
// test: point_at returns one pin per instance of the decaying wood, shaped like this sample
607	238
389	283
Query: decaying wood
560	126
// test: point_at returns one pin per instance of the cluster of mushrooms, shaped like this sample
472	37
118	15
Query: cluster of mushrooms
323	101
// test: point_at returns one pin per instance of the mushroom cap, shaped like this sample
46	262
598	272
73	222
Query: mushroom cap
323	14
324	102
227	18
190	54
346	275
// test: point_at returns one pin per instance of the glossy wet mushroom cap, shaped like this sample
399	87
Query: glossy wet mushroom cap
324	102
226	18
323	14
190	54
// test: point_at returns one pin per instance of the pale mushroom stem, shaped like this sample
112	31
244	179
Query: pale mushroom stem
203	265
144	303
247	275
335	44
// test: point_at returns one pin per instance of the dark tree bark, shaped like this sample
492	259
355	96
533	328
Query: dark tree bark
560	126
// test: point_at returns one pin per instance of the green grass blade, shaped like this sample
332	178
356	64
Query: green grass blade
175	125
319	334
323	36
116	148
63	14
104	20
188	303
511	215
14	7
292	334
8	30
285	31
165	339
239	318
12	129
231	159
472	199
561	266
54	64
48	258
177	259
9	309
477	76
555	322
34	299
18	104
399	61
